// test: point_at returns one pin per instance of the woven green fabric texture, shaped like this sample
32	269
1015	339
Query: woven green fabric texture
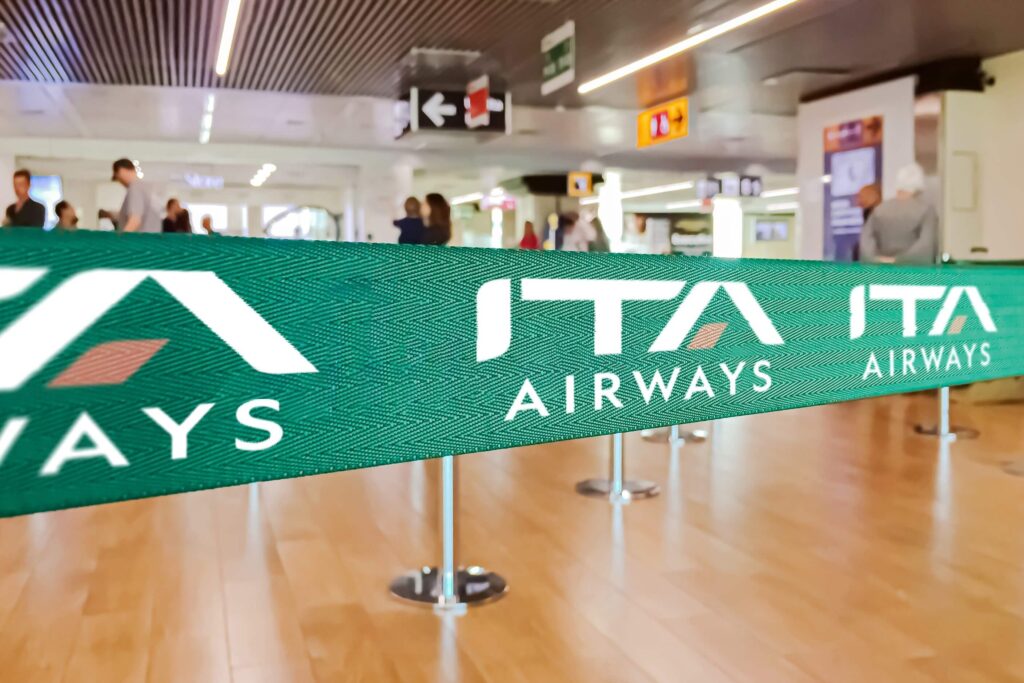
142	365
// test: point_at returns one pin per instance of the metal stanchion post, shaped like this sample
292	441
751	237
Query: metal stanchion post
943	430
674	435
449	588
617	489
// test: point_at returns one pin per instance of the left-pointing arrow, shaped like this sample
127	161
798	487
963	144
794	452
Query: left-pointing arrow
436	109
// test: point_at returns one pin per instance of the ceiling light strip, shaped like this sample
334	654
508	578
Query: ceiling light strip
782	192
467	198
227	36
685	44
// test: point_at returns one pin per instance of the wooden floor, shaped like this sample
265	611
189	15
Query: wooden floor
828	544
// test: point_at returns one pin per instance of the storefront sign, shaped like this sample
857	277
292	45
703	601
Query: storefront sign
853	165
141	365
669	121
559	50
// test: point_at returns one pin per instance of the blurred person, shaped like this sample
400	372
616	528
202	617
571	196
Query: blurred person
411	228
529	240
25	212
67	217
207	224
138	213
178	219
868	197
600	243
903	229
437	220
579	233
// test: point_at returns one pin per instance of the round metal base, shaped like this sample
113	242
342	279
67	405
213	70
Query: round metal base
631	490
955	432
474	586
665	435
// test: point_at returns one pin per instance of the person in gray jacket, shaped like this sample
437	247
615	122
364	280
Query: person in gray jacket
904	229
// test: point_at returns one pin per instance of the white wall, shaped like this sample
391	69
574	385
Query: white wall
894	102
982	153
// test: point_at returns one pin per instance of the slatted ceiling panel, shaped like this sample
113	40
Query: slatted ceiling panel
333	47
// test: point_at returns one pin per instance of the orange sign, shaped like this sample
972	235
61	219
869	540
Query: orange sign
669	121
581	184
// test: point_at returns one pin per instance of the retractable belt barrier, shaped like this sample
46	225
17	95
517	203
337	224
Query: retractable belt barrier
143	365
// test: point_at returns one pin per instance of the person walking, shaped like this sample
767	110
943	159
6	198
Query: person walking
904	229
437	220
67	218
207	224
529	240
25	212
138	213
178	219
410	228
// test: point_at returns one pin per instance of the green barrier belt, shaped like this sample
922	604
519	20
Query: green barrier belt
143	365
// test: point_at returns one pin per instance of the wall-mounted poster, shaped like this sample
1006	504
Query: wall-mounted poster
853	162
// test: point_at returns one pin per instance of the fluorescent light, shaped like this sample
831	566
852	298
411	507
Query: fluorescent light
784	192
206	123
658	189
694	204
227	36
827	178
261	175
467	198
685	44
783	206
644	192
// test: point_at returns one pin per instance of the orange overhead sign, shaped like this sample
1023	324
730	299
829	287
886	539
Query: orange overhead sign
581	184
669	121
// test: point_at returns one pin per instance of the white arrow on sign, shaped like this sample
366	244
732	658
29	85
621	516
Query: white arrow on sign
436	109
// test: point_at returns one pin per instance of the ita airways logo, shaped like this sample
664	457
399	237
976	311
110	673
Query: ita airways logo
494	312
910	295
63	314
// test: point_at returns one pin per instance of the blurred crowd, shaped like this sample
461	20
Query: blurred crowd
138	213
425	222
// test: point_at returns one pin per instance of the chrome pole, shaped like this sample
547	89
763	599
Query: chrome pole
944	429
616	488
449	594
944	415
449	588
617	471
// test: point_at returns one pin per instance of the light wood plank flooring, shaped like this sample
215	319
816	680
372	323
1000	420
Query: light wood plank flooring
824	545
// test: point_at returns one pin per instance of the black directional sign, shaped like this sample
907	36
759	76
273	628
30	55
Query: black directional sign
426	109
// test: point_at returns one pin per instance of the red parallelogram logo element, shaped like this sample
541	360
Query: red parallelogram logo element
47	328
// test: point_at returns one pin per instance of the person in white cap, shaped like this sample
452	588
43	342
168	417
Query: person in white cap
904	229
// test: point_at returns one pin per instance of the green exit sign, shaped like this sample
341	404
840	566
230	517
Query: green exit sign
559	50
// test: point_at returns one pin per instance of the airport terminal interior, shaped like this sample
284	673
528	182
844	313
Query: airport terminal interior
830	502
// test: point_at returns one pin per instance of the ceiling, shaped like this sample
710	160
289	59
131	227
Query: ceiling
357	47
104	122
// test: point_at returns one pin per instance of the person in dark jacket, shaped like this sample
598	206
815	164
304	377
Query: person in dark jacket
177	219
25	212
411	227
